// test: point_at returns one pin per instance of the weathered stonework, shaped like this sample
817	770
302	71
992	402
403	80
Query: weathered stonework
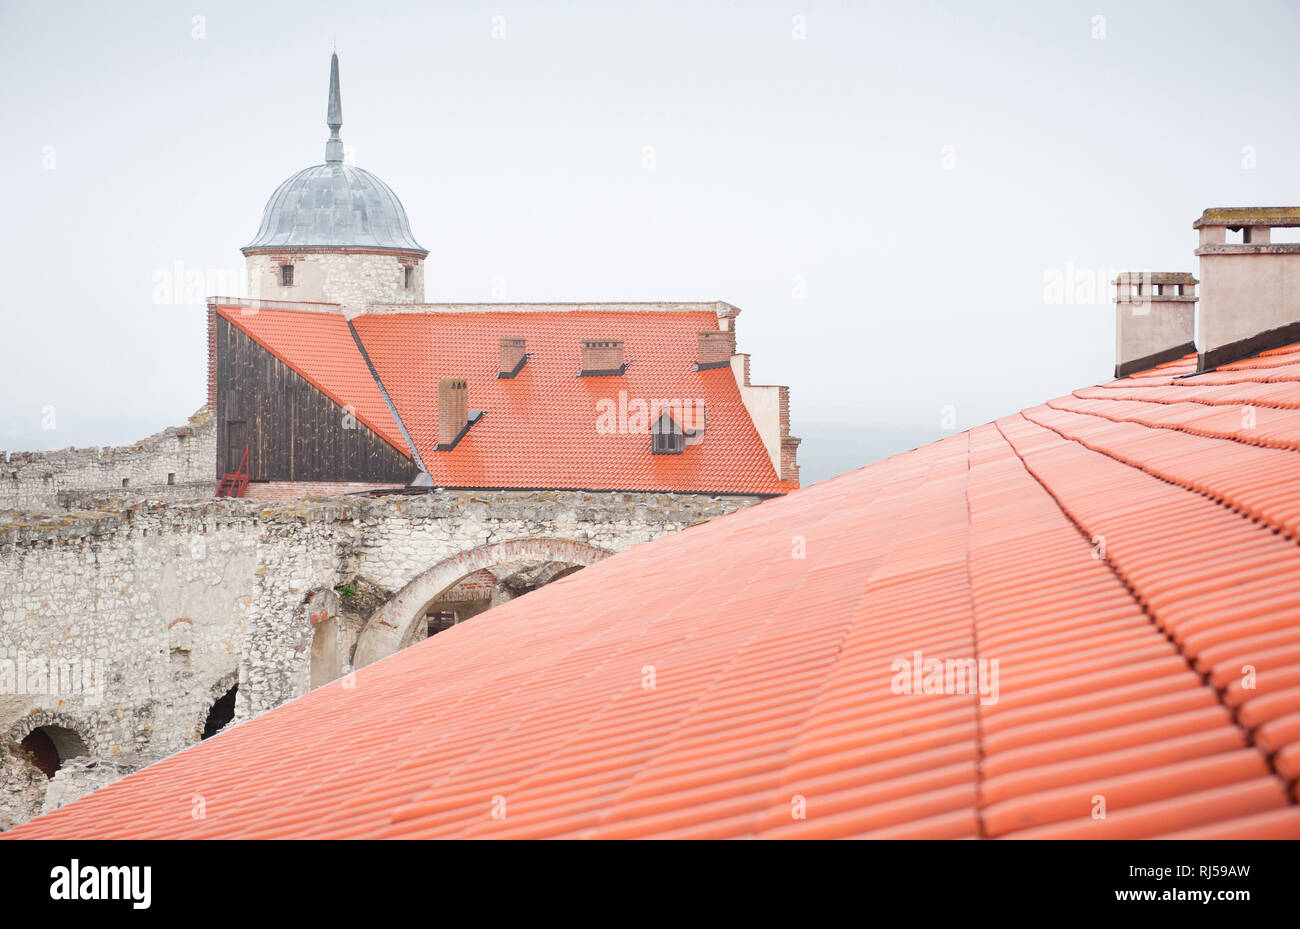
181	600
352	279
22	787
81	776
176	463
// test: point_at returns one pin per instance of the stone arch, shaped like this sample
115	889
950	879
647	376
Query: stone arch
389	627
54	738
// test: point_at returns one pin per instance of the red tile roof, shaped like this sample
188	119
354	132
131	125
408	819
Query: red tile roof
320	347
1128	554
540	428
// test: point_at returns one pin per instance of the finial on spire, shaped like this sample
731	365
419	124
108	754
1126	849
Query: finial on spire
334	117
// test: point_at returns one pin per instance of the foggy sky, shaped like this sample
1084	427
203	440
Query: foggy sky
886	198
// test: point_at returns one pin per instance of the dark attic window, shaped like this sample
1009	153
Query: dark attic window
286	275
667	438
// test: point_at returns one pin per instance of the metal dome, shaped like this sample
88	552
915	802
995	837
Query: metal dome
334	205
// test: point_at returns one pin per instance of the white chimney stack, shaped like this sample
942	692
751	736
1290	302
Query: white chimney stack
1155	319
1250	290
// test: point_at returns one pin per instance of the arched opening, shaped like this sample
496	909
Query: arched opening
480	591
222	712
48	747
465	585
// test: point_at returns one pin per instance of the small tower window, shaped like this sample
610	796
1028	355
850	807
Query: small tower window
286	275
407	276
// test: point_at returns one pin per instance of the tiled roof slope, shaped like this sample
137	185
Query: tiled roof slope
1123	553
320	347
539	428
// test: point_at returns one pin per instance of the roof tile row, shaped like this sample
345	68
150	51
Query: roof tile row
1135	575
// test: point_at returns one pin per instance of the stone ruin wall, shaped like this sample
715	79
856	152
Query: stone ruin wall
177	463
181	600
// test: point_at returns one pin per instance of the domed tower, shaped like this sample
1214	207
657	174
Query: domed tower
334	233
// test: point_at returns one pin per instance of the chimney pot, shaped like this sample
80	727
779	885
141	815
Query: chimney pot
1155	313
602	356
1250	290
453	410
512	356
715	348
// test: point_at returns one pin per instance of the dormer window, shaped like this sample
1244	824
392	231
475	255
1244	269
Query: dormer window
666	437
286	275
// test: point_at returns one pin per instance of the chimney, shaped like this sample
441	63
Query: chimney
1250	290
1155	318
453	411
715	348
602	356
212	356
789	470
513	357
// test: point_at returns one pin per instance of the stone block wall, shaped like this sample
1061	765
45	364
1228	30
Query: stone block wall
350	279
178	462
145	616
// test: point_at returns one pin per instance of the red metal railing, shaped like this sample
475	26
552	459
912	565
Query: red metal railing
233	482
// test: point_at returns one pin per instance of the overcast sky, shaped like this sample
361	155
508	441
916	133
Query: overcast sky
887	191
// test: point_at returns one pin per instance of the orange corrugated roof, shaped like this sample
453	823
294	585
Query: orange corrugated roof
1122	557
320	347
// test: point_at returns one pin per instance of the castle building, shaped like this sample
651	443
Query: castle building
1077	621
337	377
414	464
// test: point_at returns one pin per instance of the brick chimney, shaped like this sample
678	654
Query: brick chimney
1250	290
789	470
602	356
513	356
715	348
453	411
1155	319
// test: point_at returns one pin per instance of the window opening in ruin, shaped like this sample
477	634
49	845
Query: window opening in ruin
286	275
171	478
49	746
222	712
441	622
40	749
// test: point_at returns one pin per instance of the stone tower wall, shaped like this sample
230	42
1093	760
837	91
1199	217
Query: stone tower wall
353	279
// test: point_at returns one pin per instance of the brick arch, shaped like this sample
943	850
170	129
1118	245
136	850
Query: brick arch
388	627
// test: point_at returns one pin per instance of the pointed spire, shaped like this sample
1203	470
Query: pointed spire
334	117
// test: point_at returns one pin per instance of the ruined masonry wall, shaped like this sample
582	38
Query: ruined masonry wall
177	462
182	599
